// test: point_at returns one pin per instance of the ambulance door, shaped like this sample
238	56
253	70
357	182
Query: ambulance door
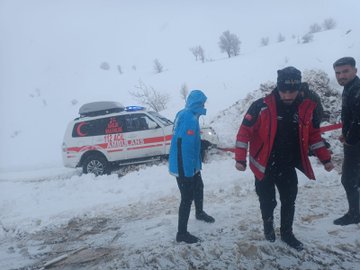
111	138
145	138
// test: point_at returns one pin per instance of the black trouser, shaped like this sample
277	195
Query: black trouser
191	188
285	179
350	178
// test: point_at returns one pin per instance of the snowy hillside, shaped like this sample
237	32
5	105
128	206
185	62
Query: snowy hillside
58	55
51	65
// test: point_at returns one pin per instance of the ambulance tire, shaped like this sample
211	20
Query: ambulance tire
96	164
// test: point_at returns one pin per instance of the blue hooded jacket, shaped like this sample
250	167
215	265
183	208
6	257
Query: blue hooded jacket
185	156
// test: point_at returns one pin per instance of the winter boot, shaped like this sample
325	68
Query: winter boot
353	215
347	219
187	238
204	217
291	240
269	231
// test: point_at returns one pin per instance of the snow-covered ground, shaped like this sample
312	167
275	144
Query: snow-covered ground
130	222
51	56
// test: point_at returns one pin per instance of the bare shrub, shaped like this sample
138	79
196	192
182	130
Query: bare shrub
307	38
319	82
229	43
119	69
194	51
315	28
105	66
184	91
329	24
264	41
266	88
158	67
280	38
199	53
150	97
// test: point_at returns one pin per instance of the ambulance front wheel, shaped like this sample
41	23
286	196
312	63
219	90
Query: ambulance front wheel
96	164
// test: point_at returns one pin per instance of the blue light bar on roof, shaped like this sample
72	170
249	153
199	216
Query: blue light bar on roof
134	108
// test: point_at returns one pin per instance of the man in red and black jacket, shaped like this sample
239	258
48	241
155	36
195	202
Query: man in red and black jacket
278	130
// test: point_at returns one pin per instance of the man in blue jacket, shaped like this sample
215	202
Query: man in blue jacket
185	163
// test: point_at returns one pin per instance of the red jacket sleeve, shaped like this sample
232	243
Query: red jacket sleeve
246	131
242	143
317	144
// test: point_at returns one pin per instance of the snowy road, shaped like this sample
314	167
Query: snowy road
130	223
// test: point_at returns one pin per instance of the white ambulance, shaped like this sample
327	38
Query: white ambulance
107	135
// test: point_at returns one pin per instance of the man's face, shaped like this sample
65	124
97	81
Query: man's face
345	74
288	96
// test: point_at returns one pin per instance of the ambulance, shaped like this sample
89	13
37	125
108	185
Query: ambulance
107	135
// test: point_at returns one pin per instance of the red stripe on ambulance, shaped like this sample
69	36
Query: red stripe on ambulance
105	145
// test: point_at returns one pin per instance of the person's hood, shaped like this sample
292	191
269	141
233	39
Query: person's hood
196	101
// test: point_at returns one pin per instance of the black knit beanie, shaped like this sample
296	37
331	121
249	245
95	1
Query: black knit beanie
288	78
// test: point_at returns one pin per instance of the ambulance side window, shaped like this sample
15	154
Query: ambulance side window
113	125
84	129
138	122
102	126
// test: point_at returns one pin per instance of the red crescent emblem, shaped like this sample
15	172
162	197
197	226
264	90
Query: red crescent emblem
78	129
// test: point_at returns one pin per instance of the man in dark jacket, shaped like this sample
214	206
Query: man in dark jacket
279	129
185	163
345	72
